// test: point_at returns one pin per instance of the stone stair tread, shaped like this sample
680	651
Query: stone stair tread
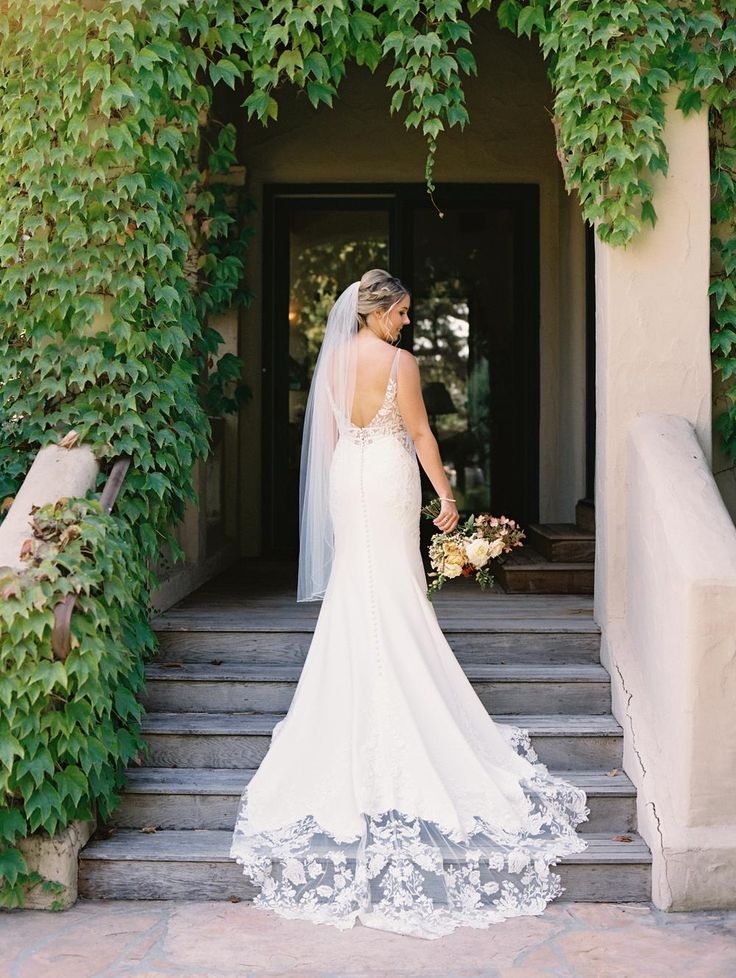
505	647
533	561
562	531
459	623
229	671
238	724
227	781
213	845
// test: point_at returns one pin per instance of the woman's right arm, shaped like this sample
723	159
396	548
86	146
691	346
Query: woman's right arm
414	413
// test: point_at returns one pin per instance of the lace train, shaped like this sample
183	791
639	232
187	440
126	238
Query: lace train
388	794
414	876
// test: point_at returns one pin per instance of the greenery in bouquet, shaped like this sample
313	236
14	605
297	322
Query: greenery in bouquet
468	550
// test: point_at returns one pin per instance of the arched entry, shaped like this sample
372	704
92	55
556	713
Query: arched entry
353	154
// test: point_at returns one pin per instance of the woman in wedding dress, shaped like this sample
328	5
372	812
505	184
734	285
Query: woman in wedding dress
388	795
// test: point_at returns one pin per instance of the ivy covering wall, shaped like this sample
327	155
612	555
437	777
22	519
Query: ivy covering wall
116	244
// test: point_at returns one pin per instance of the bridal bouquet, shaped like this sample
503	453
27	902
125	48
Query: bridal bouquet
470	547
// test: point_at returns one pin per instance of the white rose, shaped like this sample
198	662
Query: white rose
478	552
452	570
496	548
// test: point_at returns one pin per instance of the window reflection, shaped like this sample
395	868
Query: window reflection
328	249
455	394
463	301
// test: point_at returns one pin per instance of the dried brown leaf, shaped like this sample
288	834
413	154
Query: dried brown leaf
69	440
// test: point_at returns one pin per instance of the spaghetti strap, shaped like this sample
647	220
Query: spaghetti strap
394	365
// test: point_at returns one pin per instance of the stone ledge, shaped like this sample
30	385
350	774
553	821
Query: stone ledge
56	858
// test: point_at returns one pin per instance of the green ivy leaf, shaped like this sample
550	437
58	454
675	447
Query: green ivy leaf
224	70
12	865
529	18
689	100
9	749
466	60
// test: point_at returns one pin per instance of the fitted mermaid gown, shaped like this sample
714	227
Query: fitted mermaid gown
388	794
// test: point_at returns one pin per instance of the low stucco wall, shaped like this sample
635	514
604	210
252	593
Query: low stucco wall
674	658
56	472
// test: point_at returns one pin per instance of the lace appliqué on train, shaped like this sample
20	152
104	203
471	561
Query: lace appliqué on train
415	876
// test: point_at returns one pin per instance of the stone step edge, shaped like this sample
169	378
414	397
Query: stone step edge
279	672
571	532
532	566
182	781
578	626
261	724
213	845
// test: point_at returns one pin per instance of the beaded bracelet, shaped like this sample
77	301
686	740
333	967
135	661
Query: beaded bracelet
448	499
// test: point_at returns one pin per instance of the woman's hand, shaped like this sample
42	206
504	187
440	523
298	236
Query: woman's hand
448	517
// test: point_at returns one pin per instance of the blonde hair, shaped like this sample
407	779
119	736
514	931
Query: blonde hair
378	290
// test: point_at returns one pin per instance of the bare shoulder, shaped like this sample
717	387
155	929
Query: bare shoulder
407	360
407	373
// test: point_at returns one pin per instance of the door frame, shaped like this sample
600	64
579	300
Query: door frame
398	198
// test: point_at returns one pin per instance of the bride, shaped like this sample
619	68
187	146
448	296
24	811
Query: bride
388	795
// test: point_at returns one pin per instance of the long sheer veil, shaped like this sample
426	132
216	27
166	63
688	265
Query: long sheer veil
329	405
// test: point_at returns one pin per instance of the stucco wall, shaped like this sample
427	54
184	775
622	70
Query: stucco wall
652	336
509	139
666	547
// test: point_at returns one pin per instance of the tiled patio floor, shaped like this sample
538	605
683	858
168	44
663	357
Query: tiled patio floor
227	940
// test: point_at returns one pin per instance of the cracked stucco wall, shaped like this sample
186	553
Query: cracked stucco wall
665	590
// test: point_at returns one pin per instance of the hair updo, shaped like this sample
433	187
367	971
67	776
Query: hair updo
379	290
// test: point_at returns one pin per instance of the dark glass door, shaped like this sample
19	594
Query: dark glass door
473	275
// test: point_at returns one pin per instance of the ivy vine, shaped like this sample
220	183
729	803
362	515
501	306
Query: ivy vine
68	728
118	244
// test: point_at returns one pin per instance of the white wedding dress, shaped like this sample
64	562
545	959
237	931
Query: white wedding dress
388	794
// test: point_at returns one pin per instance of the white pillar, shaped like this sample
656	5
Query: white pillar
652	335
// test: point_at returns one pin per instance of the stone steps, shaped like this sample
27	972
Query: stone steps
175	865
527	572
230	658
207	798
571	642
557	558
220	686
564	542
587	742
